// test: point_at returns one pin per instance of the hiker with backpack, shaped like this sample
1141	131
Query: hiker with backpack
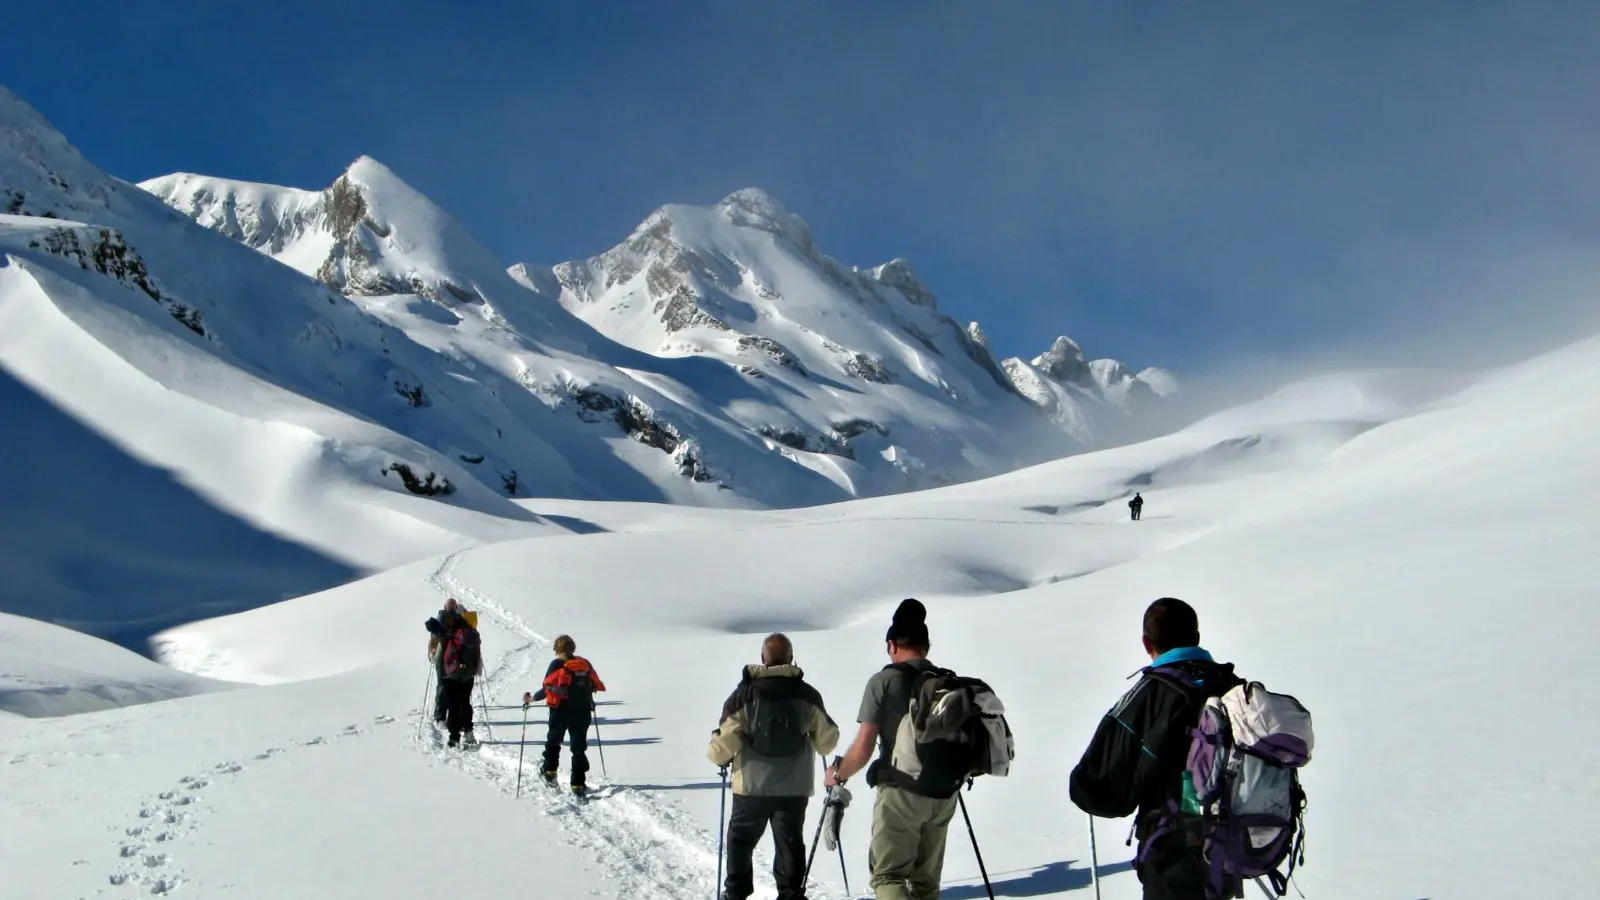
1207	761
936	732
460	662
1136	505
436	657
773	728
568	693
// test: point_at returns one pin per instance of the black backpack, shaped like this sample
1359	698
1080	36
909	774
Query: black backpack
954	731
777	724
581	688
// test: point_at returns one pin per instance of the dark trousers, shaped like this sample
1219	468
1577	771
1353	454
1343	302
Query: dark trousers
745	828
571	724
458	707
1172	871
1137	510
440	704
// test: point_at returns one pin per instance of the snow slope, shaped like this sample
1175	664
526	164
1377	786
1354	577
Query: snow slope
46	670
1413	560
292	436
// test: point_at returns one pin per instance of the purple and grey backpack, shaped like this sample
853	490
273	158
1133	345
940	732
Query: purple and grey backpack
1242	788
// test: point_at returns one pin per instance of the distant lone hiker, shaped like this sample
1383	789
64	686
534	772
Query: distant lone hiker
773	729
569	687
1137	506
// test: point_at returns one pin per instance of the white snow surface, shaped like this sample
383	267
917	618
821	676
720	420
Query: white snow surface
46	670
1413	559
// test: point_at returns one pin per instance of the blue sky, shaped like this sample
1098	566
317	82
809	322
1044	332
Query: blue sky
1182	184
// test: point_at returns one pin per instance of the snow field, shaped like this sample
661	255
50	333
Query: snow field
1410	585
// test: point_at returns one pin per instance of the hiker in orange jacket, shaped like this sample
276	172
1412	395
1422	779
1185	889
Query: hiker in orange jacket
569	688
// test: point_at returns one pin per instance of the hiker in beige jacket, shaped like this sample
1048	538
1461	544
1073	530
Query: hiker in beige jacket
774	727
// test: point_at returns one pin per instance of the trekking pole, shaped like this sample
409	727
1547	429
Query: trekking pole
521	747
844	873
722	832
817	838
422	715
1094	861
594	710
483	701
975	851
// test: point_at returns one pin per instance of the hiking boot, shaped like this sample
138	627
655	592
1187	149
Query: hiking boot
549	776
455	740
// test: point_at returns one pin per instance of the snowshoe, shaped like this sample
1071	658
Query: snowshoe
469	743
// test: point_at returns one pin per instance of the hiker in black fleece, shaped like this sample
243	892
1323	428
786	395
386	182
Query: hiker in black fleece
1137	757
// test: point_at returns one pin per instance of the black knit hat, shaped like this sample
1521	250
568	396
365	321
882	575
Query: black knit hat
910	625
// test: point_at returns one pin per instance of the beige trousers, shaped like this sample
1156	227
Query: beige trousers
907	851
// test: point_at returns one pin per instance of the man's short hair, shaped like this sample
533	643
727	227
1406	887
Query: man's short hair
777	650
565	645
1170	623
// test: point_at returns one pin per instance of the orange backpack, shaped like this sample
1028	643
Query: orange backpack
575	681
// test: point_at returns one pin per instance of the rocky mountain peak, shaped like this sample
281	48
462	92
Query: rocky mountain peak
897	275
1064	361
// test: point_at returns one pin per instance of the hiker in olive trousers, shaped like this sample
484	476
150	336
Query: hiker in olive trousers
908	830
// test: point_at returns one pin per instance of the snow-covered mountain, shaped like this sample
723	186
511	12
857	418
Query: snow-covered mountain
743	281
853	380
1068	388
354	381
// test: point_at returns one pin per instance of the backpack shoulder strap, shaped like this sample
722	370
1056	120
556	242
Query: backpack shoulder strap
1223	682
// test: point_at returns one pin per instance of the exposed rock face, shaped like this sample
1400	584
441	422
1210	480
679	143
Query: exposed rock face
640	423
1063	361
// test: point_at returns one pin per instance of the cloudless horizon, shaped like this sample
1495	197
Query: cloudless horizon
1183	187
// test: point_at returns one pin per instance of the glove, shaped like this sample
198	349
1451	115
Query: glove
527	699
832	812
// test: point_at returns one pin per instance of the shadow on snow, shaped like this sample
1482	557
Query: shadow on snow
1051	879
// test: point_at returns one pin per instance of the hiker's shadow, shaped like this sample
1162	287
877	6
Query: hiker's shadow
545	723
1052	879
593	746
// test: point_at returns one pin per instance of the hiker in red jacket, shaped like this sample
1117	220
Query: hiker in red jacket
569	688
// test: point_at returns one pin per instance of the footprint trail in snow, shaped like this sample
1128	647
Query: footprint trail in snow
149	849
